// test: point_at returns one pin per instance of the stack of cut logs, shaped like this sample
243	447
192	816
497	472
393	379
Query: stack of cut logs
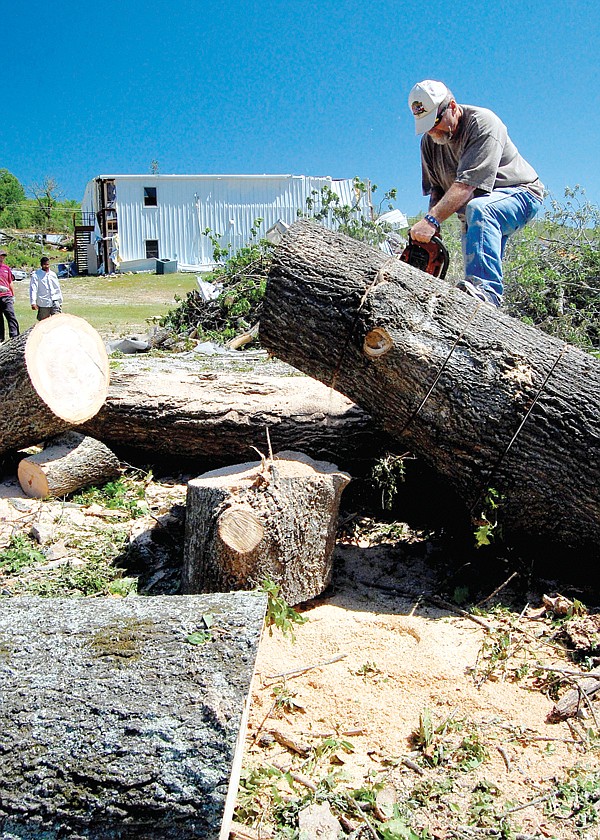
274	519
488	402
53	378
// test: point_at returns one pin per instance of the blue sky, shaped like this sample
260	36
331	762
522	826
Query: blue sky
316	88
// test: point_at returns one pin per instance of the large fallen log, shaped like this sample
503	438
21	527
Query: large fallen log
172	410
53	377
274	520
488	401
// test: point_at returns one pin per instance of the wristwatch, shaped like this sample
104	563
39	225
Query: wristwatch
432	220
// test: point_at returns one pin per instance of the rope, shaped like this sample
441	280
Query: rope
503	455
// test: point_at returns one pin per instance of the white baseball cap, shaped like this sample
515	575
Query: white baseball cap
424	101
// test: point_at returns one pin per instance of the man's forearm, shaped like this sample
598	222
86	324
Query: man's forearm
435	196
442	209
451	201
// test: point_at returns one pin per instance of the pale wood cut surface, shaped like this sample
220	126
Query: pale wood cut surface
69	463
52	377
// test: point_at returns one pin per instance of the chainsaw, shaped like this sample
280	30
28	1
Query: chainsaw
431	257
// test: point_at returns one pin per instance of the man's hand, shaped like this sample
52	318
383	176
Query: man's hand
34	305
422	231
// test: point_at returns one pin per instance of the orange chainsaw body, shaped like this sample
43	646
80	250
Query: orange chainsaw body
431	257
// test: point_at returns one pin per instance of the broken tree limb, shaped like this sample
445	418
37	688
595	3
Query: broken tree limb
174	410
53	377
588	684
68	463
273	520
486	400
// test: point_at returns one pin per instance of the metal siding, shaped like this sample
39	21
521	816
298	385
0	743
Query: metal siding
225	204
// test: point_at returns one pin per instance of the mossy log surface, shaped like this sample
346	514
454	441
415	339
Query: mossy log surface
488	401
114	725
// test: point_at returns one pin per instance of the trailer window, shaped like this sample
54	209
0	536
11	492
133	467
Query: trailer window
150	199
151	249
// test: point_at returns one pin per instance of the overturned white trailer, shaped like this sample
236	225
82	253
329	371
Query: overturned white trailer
141	222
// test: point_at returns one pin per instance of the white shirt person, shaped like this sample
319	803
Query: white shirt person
45	293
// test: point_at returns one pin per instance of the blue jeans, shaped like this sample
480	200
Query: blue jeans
490	220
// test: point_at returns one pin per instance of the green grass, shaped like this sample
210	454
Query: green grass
114	306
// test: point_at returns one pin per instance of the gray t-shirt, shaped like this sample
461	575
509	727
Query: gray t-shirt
481	154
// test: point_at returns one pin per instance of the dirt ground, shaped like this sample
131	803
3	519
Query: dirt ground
371	669
396	713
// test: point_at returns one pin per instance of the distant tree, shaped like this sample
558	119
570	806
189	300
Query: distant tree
154	167
12	197
47	195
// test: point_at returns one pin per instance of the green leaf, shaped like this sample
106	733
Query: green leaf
200	637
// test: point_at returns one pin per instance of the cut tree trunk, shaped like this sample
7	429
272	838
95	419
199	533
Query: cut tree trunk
219	418
488	401
53	377
68	463
273	520
115	724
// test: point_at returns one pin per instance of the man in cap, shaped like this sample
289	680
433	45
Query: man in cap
471	167
7	300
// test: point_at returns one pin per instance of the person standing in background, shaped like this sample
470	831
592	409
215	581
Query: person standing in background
7	300
44	291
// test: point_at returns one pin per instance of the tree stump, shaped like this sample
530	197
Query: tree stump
52	377
68	463
486	400
273	520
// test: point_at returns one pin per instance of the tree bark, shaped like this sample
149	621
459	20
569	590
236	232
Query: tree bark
68	463
273	520
573	701
53	377
220	418
115	723
488	401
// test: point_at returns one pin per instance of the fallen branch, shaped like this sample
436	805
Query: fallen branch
497	590
300	671
290	743
570	704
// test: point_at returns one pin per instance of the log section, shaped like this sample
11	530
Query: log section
68	463
276	519
114	725
172	410
52	377
487	400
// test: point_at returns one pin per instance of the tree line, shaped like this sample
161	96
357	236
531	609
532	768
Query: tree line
44	210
